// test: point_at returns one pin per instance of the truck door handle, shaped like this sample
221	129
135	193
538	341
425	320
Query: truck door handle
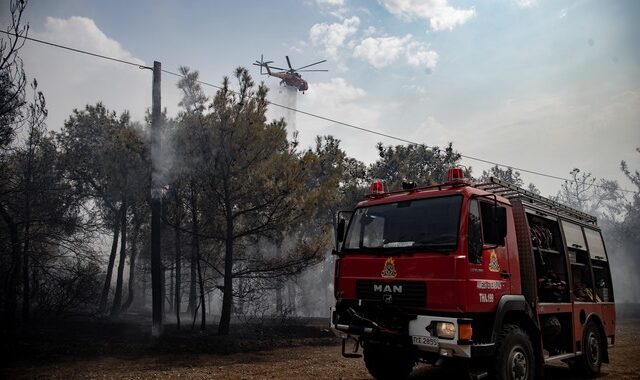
505	274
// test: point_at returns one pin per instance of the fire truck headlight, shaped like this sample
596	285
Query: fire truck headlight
446	330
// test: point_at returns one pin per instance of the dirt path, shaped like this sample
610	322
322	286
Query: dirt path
304	362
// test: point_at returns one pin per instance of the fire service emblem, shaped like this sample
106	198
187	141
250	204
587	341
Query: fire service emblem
494	266
389	269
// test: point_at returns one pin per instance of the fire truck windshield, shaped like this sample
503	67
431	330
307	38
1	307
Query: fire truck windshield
429	224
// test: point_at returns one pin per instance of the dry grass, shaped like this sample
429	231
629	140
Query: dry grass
305	353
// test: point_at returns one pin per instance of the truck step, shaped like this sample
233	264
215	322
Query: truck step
354	352
478	375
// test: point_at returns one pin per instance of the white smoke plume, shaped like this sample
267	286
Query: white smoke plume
288	97
163	157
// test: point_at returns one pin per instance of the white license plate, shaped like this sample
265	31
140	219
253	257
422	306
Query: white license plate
425	341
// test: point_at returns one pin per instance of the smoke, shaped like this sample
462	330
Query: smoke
624	263
163	157
288	97
316	289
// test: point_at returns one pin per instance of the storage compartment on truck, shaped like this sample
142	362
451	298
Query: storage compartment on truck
600	265
551	268
602	281
583	289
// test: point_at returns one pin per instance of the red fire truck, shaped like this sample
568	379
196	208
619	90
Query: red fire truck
491	276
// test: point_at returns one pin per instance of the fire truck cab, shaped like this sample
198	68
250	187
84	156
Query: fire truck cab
467	272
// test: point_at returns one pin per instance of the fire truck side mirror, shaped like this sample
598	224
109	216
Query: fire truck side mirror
342	218
340	230
501	224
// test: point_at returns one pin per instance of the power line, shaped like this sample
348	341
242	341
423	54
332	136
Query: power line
77	50
391	136
317	116
372	131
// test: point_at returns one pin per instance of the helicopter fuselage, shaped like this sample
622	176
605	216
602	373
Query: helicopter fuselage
291	80
290	77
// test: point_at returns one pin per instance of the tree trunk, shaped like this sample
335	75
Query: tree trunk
11	293
170	299
195	255
326	290
291	292
117	298
144	288
279	299
112	258
194	240
26	290
203	324
132	266
28	179
193	294
178	291
178	285
227	297
240	301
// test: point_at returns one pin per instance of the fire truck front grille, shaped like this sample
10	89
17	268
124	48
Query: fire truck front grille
392	293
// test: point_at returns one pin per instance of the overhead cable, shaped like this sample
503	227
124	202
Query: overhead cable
314	115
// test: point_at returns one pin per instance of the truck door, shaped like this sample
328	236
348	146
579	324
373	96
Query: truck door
488	258
493	235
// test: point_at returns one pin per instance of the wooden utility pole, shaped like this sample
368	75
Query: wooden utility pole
157	275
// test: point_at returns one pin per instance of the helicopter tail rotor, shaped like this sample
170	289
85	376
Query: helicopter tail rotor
262	64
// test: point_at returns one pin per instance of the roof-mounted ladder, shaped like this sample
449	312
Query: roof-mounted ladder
510	191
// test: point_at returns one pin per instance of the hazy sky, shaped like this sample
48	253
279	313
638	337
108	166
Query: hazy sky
542	85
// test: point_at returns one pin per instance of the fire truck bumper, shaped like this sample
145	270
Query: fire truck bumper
439	335
428	333
423	332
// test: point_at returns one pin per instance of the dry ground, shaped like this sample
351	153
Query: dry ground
299	361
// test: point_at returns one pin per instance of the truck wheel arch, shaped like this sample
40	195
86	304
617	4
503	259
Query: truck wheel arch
511	306
514	309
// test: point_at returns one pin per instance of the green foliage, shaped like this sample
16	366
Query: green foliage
106	156
193	98
254	189
12	76
43	225
72	287
248	167
107	160
419	163
508	175
338	179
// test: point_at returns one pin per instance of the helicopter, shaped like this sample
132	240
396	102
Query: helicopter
290	77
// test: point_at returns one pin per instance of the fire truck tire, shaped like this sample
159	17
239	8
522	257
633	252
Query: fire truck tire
385	362
591	359
515	359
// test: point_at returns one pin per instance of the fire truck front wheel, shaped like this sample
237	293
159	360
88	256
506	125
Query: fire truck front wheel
515	359
387	362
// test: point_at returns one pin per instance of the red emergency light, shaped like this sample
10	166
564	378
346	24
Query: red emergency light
377	187
455	175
